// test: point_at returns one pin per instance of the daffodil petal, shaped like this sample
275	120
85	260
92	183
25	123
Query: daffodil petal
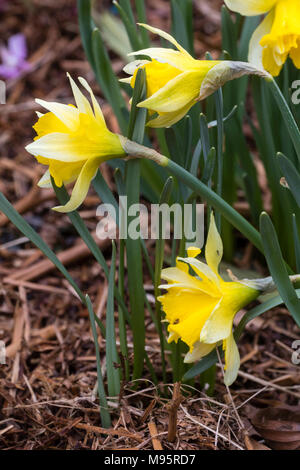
193	251
131	67
188	313
174	58
69	115
45	181
168	119
214	246
200	350
179	278
81	101
166	36
255	49
125	80
64	147
219	324
97	110
205	273
81	187
232	360
176	94
250	7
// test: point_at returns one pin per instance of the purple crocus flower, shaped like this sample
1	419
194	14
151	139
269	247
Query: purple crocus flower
13	57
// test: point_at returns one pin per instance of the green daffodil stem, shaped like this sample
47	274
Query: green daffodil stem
286	114
135	150
212	198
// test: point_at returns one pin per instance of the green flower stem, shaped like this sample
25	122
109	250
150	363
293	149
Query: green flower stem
286	114
212	198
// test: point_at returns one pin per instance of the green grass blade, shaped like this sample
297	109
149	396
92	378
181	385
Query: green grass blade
237	220
107	79
287	114
29	232
105	417
112	359
291	175
277	266
86	27
133	247
296	243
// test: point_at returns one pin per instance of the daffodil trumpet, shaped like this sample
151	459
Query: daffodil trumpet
277	36
200	305
176	81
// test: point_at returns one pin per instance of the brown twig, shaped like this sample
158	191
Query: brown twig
173	409
153	432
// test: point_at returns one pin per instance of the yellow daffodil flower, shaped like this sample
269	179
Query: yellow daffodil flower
277	37
200	306
176	81
73	141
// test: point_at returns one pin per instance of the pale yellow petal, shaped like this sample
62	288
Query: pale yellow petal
255	49
219	324
214	246
166	36
81	187
250	7
45	181
232	360
63	147
81	101
125	80
49	123
77	146
69	115
131	67
178	278
168	119
208	277
176	94
175	58
97	110
200	350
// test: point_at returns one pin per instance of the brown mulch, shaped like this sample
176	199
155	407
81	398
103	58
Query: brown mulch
48	394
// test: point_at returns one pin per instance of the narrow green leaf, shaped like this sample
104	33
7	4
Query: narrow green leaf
127	17
85	235
291	174
159	258
86	27
105	418
277	266
296	243
287	114
133	247
29	232
218	203
112	360
107	79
